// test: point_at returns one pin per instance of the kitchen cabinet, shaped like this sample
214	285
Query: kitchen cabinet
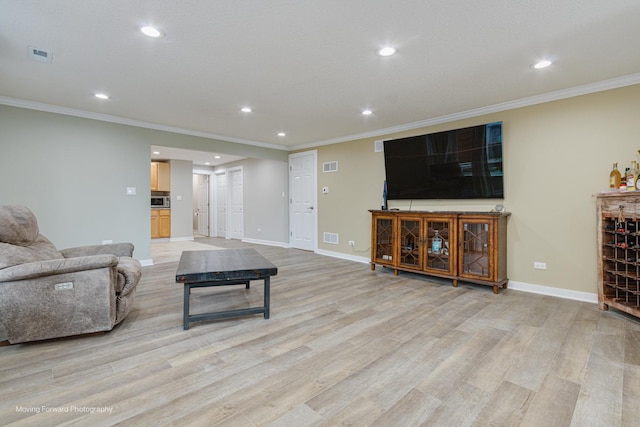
160	176
160	223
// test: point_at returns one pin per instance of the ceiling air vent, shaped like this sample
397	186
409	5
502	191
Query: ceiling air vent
330	166
40	55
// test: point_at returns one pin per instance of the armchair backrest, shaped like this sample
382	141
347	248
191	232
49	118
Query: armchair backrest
20	238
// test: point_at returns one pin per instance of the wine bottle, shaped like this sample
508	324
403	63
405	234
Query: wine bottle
615	177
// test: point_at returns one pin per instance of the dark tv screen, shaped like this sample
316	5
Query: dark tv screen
457	164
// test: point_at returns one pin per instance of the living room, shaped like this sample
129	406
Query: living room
72	168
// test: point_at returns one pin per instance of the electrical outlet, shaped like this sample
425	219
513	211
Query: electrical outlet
352	243
540	265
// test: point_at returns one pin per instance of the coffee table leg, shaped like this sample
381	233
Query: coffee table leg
185	313
267	291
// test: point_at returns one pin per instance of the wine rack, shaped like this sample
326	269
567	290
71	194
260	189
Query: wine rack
619	252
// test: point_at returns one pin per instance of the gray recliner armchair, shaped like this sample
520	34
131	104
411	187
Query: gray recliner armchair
46	293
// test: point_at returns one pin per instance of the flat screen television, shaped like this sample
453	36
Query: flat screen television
456	164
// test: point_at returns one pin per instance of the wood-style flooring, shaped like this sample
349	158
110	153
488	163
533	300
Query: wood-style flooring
344	346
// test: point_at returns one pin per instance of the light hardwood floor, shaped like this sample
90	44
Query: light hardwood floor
344	346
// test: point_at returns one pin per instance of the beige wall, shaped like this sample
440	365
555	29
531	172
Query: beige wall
557	155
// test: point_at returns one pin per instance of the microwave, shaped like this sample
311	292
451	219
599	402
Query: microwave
160	201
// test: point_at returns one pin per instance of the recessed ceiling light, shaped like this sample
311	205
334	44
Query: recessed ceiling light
151	31
367	112
156	152
101	96
246	110
217	157
282	134
542	64
387	51
207	163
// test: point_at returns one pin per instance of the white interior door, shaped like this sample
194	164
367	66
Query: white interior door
202	209
221	204
236	209
303	215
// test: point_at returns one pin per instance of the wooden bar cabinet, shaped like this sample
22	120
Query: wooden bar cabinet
467	246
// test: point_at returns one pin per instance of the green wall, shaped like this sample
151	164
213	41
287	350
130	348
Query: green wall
73	173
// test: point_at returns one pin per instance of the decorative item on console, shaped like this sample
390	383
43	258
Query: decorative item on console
628	181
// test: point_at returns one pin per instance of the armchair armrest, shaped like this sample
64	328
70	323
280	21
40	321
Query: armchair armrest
117	249
37	269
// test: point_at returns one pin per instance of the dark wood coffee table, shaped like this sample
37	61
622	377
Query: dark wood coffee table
199	269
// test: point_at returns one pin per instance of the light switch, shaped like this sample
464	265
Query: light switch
325	190
131	191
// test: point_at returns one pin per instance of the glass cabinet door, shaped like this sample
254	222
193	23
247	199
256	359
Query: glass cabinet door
383	245
410	243
439	240
474	249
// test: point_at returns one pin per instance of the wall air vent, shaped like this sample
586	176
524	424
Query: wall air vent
378	146
330	167
40	55
331	238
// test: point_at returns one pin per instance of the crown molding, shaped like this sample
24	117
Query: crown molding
20	103
615	83
586	89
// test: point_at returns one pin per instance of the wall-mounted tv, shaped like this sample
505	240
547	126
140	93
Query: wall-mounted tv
457	164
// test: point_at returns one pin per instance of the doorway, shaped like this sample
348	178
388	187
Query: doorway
221	204
303	215
236	204
201	205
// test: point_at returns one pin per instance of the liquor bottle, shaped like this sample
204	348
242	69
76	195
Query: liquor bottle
614	177
632	174
436	244
623	180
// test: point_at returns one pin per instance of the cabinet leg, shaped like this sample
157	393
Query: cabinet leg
455	283
396	272
373	266
495	289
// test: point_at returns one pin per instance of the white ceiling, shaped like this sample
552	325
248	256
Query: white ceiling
200	158
308	68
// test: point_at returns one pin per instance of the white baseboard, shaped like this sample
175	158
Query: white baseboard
554	292
267	243
349	257
181	239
